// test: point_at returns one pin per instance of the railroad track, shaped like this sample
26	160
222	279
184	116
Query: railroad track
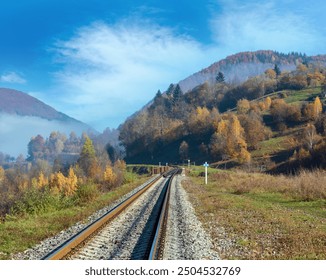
134	229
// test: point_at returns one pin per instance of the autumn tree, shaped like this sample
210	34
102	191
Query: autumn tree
71	182
282	112
217	145
313	110
268	102
109	176
57	182
87	159
310	136
302	68
229	140
236	144
41	181
120	164
199	120
55	143
254	129
36	148
315	79
243	106
279	110
318	106
270	73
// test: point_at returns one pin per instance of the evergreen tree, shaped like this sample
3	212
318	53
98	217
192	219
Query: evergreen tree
177	94
277	70
158	94
220	78
170	89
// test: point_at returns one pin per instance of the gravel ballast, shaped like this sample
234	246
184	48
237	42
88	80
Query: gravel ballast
186	239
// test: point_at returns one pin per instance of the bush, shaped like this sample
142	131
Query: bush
35	201
86	193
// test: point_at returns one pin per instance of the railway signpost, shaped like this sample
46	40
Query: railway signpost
205	165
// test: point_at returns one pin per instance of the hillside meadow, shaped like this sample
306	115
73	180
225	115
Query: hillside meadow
260	216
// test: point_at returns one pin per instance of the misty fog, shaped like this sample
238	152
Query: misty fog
16	131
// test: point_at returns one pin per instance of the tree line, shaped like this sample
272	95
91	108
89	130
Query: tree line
197	123
44	182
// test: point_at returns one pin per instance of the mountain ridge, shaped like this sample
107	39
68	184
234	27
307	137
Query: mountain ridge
23	117
240	66
16	102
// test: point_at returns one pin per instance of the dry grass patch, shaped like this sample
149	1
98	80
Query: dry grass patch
262	216
306	186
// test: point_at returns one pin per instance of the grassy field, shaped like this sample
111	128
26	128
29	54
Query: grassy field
308	94
18	233
262	216
271	146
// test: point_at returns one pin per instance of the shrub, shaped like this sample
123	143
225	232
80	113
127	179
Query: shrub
35	201
86	193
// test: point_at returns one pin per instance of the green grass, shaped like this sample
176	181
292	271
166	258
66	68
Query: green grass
271	146
296	97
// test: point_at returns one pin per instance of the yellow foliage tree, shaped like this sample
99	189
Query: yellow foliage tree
109	176
313	110
57	182
270	73
222	127
302	68
243	106
199	120
120	165
268	102
230	136
71	182
42	181
318	106
262	105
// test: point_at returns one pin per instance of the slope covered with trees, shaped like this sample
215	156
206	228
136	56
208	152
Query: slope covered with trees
226	122
239	67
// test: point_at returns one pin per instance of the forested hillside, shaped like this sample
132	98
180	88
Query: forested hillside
268	120
239	67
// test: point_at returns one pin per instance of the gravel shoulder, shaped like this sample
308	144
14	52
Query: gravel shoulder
186	238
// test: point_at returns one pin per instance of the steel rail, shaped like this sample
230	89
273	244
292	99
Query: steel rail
66	247
156	250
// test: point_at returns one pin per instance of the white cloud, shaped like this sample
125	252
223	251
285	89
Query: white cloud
12	77
268	25
111	71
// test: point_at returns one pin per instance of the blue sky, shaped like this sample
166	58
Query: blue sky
101	60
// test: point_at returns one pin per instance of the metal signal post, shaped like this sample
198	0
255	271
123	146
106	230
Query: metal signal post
206	165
